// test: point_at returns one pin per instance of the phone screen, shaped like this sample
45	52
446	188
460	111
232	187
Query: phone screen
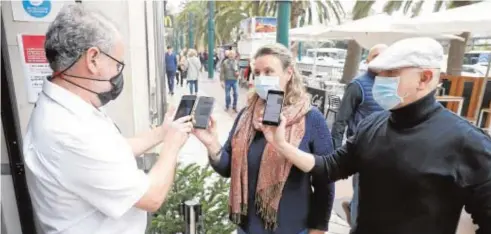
272	111
185	107
203	112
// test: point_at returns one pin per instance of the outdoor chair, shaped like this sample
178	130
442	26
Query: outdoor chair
333	103
481	116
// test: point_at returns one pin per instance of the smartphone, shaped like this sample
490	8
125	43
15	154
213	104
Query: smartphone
203	111
274	104
186	106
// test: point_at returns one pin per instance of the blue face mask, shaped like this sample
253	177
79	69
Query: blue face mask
262	84
384	92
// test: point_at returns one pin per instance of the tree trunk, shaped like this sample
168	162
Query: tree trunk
456	54
255	8
296	12
352	62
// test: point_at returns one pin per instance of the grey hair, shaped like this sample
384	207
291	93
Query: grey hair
74	30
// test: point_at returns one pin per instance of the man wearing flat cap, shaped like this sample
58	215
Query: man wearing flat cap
419	164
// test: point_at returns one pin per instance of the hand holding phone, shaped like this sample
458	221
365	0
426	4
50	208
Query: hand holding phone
186	106
274	105
203	111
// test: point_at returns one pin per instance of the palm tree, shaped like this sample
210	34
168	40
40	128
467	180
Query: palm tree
413	8
457	48
303	11
229	14
361	9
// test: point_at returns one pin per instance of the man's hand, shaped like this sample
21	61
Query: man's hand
222	83
274	135
315	231
168	117
177	133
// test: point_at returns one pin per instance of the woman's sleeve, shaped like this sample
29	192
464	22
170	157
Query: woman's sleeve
223	164
321	200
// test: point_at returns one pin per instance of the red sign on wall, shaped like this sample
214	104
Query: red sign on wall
34	48
36	66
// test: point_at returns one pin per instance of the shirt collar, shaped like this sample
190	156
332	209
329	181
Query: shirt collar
68	100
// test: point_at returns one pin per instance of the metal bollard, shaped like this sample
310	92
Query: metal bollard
191	210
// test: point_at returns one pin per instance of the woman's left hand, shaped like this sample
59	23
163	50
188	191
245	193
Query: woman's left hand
275	135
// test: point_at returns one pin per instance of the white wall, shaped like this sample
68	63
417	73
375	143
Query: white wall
131	110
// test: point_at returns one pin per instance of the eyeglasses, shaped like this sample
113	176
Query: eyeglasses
119	66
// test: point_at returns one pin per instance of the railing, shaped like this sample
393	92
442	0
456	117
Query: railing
329	71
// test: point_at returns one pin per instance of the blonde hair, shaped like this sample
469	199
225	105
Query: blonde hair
295	88
192	53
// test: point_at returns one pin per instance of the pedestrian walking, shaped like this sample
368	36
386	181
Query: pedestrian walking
229	75
419	163
193	71
267	194
205	60
357	104
182	68
170	68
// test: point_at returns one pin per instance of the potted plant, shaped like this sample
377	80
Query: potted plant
195	182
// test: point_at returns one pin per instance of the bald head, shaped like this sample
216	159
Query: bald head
375	51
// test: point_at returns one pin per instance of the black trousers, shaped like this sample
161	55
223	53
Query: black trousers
179	77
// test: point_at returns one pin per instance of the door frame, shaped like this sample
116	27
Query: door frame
13	140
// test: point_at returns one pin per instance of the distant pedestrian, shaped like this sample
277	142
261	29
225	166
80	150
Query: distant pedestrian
193	71
205	60
229	74
170	68
181	68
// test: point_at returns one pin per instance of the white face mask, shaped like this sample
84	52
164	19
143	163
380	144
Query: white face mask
263	84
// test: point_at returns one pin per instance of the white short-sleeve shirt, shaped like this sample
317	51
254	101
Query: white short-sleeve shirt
81	172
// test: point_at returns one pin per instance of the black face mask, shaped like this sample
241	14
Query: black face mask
117	83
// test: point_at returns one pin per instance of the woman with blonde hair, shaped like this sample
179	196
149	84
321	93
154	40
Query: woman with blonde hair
267	193
193	66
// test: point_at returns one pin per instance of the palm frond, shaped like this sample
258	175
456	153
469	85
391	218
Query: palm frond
416	9
392	6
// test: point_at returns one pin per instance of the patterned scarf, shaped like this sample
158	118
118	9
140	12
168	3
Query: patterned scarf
274	168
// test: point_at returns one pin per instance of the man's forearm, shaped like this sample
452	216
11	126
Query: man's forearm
162	174
304	161
146	141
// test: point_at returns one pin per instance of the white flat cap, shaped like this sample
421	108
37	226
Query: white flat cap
421	52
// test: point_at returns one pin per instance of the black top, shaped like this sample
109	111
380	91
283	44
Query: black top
418	165
352	98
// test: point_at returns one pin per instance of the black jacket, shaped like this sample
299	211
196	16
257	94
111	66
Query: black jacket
419	166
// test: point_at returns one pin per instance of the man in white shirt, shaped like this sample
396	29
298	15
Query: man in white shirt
81	172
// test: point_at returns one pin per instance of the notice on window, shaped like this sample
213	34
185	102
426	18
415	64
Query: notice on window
35	64
36	10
